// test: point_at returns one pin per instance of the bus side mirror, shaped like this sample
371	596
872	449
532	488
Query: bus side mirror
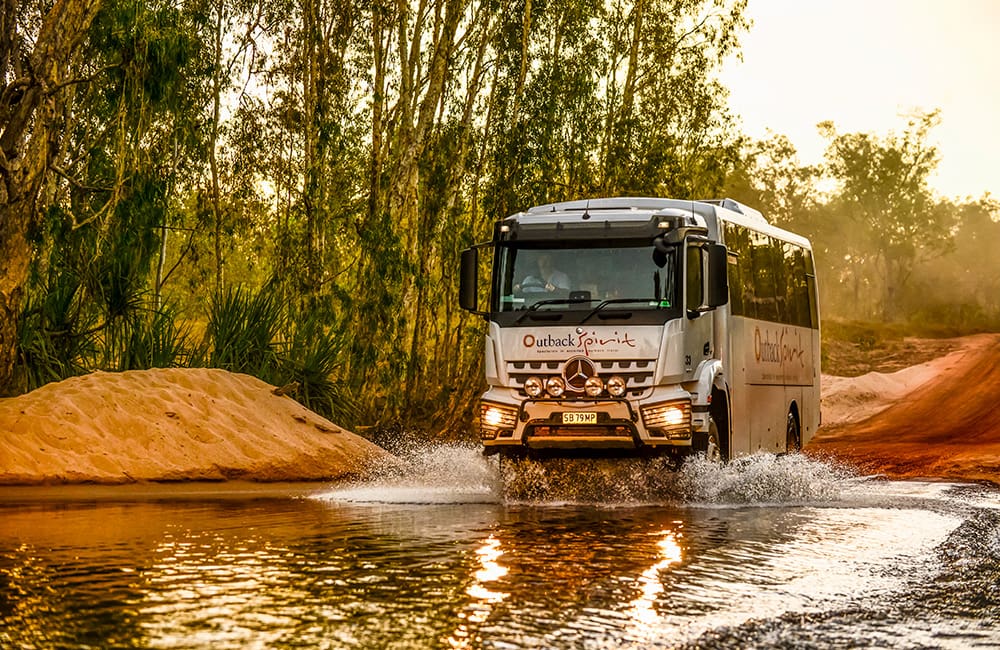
718	276
468	280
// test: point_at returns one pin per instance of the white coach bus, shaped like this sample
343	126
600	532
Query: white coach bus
646	326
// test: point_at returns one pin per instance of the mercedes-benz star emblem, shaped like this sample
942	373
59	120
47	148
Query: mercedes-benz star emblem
577	371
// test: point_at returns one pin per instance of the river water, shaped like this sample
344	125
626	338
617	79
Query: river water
765	552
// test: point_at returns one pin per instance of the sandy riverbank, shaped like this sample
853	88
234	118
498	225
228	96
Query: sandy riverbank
171	425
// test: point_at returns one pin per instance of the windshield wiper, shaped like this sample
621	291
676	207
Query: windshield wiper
530	311
612	301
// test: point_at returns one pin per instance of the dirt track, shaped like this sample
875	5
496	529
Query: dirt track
948	428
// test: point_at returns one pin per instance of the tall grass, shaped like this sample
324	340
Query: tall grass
247	331
56	335
156	340
243	332
313	360
252	332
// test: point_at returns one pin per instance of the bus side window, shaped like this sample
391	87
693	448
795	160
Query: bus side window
811	289
735	284
796	291
745	286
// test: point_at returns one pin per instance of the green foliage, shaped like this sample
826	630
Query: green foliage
65	331
314	361
149	45
55	338
158	340
620	100
242	332
883	192
254	333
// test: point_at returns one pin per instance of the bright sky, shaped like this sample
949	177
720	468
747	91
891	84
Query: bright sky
864	64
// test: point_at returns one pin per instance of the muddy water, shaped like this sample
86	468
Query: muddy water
766	552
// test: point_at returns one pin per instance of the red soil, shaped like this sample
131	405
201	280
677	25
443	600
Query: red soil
948	428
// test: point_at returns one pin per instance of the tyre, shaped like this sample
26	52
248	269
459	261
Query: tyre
793	435
709	443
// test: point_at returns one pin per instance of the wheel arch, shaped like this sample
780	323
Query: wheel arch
793	416
721	411
712	395
793	409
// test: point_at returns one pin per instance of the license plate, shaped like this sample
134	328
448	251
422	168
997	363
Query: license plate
579	418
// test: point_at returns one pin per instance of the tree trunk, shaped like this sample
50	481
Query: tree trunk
378	100
28	110
410	210
213	148
523	71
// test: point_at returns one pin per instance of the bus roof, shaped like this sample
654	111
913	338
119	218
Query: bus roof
642	207
637	207
633	209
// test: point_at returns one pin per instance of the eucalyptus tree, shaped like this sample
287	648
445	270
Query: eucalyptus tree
959	291
40	47
667	130
430	62
311	162
771	178
130	143
614	98
480	108
892	218
136	138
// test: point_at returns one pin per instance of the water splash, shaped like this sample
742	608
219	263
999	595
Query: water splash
456	473
429	474
764	478
589	480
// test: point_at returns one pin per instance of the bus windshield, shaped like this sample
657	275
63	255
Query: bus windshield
583	275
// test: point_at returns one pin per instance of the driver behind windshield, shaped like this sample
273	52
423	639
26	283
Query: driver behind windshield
545	277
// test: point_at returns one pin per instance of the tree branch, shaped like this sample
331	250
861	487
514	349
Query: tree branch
76	183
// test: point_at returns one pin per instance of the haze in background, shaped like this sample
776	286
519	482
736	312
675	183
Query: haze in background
865	64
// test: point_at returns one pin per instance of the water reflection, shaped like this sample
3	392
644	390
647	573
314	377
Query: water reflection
316	572
483	599
490	572
212	591
642	610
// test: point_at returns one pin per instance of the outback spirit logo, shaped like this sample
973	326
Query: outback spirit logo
776	350
581	341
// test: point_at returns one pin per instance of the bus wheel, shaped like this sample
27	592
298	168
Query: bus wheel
793	437
709	443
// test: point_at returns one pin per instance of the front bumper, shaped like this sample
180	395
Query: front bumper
584	424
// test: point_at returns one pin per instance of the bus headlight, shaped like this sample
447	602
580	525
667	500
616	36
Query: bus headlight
494	418
533	386
594	386
617	386
670	419
555	386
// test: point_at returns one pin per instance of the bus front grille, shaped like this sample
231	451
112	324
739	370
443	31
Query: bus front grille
638	373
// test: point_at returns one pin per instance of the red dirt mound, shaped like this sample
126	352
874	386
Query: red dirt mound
948	427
